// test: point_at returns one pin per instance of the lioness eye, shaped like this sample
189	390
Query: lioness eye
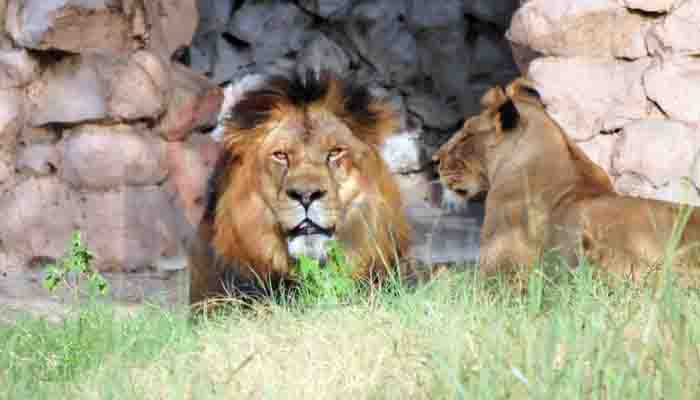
280	156
335	154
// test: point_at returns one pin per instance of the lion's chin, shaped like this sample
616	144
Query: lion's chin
313	246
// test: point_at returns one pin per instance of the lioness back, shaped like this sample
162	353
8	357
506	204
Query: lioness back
543	193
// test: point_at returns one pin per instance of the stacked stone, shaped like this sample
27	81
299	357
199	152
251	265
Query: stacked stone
96	127
622	77
102	102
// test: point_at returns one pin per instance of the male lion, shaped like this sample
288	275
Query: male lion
543	193
301	166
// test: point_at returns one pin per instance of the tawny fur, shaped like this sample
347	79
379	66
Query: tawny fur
244	235
543	193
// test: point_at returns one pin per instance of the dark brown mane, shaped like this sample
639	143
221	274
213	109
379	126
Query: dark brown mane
369	118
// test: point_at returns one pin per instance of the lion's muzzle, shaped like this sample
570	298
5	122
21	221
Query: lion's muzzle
310	236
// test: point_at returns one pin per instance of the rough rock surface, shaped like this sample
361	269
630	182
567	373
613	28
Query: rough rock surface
100	158
590	96
622	78
71	25
591	28
102	87
106	105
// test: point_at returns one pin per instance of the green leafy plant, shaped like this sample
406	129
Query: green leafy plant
331	282
74	268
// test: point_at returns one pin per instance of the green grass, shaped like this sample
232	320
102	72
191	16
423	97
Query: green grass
569	336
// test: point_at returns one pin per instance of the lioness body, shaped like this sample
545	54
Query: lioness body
301	168
544	193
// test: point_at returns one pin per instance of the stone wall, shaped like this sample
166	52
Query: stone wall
622	77
106	105
96	130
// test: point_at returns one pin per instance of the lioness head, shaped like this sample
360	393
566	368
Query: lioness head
463	159
304	168
471	159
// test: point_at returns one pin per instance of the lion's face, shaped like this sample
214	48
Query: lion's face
311	180
305	168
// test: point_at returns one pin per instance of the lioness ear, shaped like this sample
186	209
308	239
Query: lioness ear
524	89
508	116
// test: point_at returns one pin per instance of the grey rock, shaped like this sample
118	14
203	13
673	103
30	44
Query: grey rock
218	59
323	53
433	112
273	28
445	62
391	48
330	9
435	14
498	12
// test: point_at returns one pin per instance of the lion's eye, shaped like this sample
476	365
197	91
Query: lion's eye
280	157
335	154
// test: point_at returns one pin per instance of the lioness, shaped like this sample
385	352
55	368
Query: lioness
301	167
543	193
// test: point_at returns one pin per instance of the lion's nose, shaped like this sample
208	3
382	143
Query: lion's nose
305	197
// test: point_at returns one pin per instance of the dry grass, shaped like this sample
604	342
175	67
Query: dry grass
569	336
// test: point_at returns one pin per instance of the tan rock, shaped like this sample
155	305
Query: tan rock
650	5
591	28
17	68
676	190
659	150
130	229
179	20
70	25
100	87
600	150
674	84
194	102
137	88
105	157
12	116
680	30
587	96
39	216
191	163
38	159
72	75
